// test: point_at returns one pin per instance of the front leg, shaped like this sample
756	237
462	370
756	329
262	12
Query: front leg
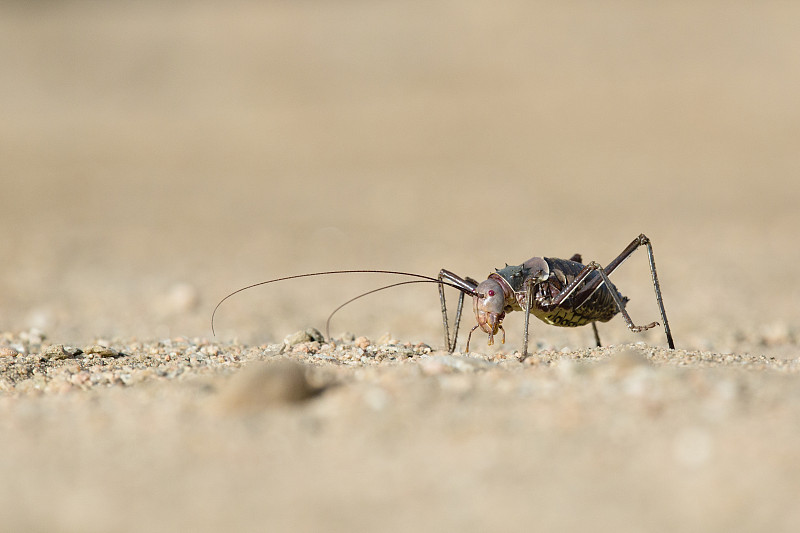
465	285
529	287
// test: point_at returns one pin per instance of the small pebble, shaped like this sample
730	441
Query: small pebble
265	384
362	342
296	338
421	347
315	335
59	351
307	335
271	350
7	351
102	351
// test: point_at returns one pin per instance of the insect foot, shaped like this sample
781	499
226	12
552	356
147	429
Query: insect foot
639	329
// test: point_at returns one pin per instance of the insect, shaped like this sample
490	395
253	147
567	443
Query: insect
559	292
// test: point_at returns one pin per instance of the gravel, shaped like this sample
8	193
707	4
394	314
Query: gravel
301	434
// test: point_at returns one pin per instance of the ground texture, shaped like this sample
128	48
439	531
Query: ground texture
156	158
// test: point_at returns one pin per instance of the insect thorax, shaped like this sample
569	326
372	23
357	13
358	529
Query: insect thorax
550	276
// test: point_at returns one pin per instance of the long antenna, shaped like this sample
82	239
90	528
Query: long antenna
422	277
351	300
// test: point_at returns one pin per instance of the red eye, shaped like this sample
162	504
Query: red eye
491	293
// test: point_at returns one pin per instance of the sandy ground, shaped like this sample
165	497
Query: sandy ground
155	158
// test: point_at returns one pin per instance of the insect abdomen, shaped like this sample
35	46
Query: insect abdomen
600	307
565	318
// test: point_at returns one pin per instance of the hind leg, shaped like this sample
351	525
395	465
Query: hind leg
596	335
585	291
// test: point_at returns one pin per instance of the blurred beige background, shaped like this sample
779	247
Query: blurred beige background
157	156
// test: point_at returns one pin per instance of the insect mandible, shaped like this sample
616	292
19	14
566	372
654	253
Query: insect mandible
559	292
